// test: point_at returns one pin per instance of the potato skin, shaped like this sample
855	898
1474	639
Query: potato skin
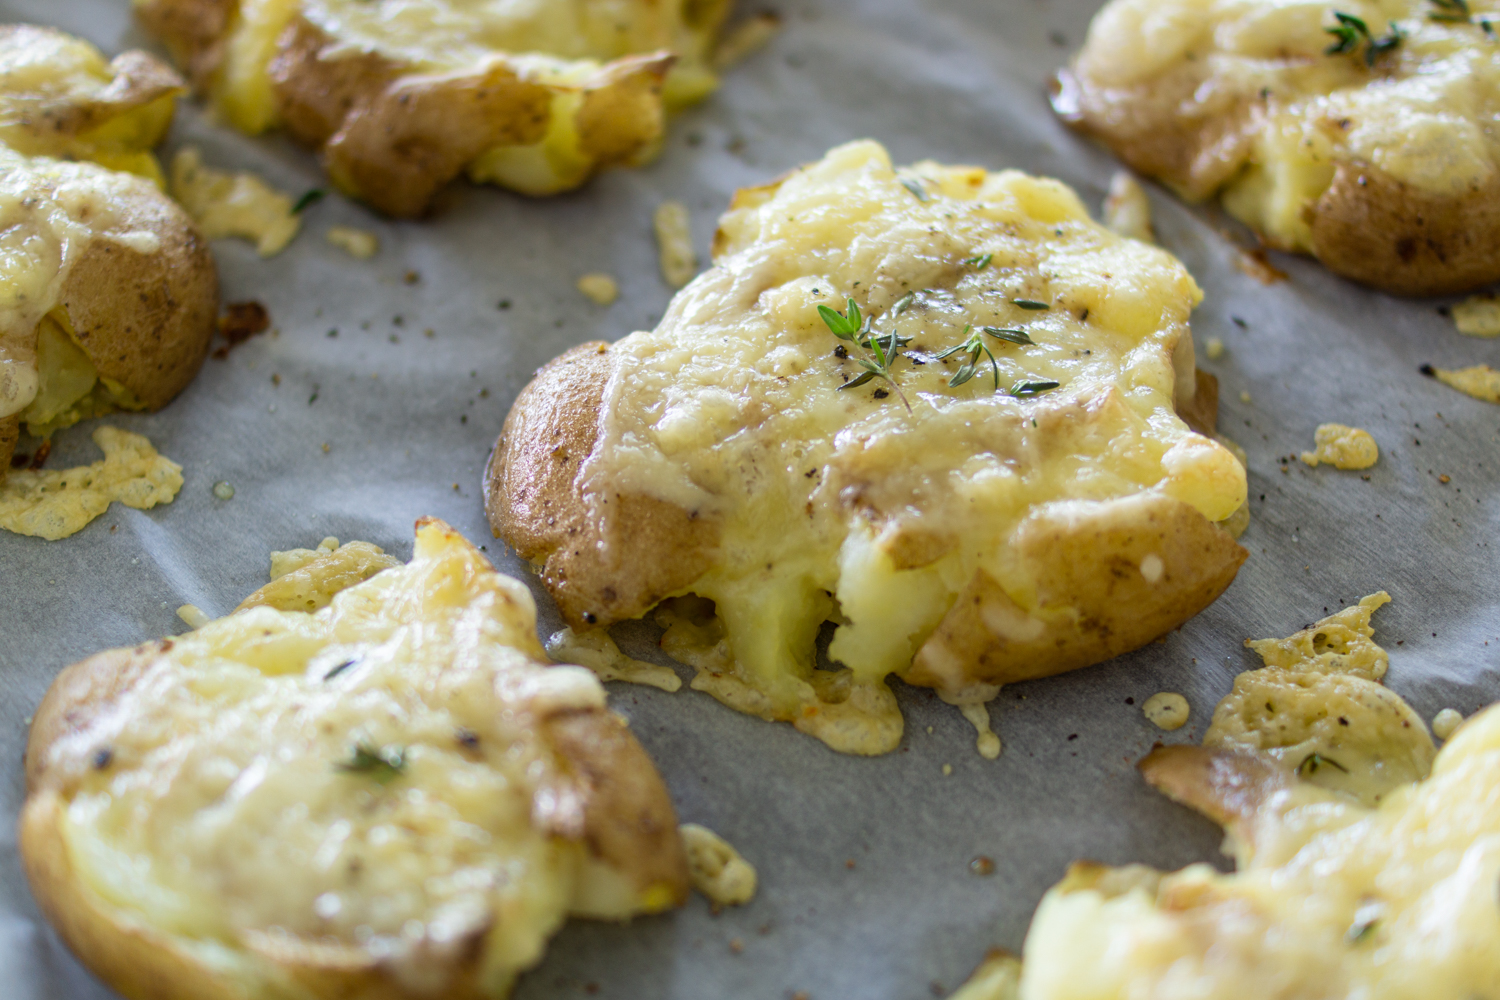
535	502
10	433
1367	226
145	320
1085	557
629	824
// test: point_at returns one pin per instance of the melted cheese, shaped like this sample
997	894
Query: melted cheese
1423	116
558	43
1167	710
1338	899
844	499
1477	316
54	504
718	870
1342	447
597	651
1480	381
371	781
225	203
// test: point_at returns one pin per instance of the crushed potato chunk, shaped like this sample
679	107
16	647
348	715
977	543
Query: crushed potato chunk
238	204
716	868
54	504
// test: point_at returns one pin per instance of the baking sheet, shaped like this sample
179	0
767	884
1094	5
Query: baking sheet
866	889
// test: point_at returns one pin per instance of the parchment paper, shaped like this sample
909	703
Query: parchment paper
866	889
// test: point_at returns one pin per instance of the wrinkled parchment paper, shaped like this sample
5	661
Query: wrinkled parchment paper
866	888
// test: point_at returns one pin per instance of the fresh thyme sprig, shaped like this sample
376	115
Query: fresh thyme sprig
880	352
974	346
311	198
1350	32
981	262
1313	762
381	763
1458	12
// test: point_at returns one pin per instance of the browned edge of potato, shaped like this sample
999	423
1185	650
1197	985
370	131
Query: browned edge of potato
654	549
1367	226
394	137
629	825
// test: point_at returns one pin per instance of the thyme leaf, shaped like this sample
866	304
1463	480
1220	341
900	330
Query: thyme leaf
915	187
981	262
1351	32
880	353
1030	304
1005	333
311	198
974	346
904	303
381	763
1033	388
1313	761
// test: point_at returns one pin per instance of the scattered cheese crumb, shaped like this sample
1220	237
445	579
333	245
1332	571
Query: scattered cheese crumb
1214	348
717	870
233	204
1343	447
1152	568
674	238
947	770
597	651
746	38
1481	381
1244	396
55	504
1446	723
600	288
1167	710
193	616
1127	210
1478	316
359	243
987	743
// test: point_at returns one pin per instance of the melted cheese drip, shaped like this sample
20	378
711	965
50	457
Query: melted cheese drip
1337	900
54	504
1424	117
718	870
732	408
1480	381
234	812
226	203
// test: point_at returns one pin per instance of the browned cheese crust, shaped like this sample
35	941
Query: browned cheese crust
1367	226
393	136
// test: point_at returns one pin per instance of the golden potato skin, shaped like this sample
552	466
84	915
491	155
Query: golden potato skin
10	432
1086	562
629	824
534	502
145	320
1367	226
193	31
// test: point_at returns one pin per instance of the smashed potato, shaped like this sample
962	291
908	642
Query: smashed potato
1357	132
401	98
1042	511
394	796
107	291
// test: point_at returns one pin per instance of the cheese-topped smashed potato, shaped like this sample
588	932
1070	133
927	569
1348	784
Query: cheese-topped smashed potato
980	536
1331	898
1377	157
401	96
393	796
107	292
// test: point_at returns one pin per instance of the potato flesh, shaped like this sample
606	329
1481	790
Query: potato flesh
1339	900
731	408
1423	118
223	812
